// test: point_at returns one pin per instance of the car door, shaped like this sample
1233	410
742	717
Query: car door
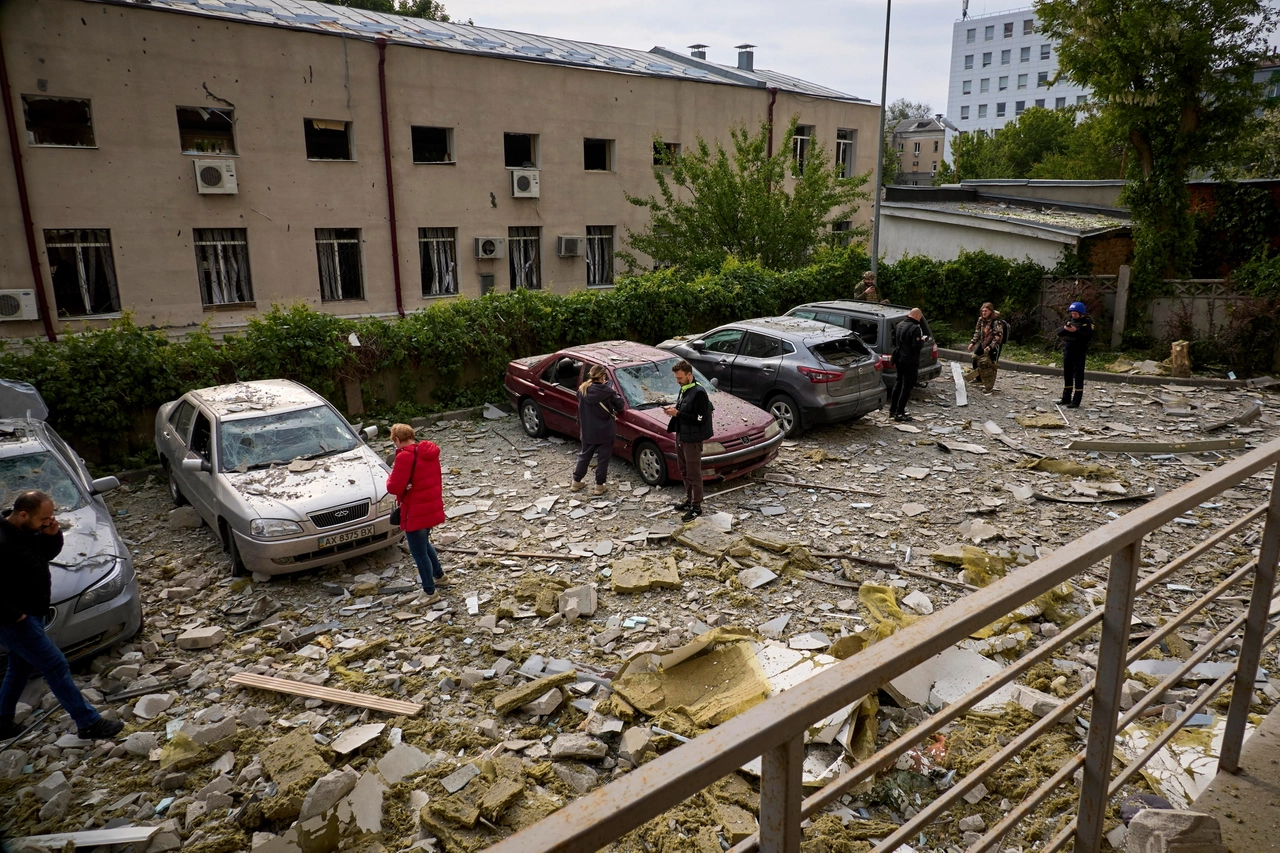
176	432
558	394
756	367
199	486
715	360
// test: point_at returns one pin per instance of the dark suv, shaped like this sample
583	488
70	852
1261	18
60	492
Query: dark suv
876	325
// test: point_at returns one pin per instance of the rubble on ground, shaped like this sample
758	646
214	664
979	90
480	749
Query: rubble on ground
584	635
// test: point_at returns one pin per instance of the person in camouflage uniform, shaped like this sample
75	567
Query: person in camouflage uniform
988	338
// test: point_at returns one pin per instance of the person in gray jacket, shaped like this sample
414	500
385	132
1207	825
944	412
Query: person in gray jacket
598	408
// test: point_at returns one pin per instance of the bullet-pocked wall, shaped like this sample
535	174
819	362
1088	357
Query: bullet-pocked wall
160	89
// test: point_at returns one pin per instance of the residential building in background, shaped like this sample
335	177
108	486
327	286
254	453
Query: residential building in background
920	144
1001	65
194	162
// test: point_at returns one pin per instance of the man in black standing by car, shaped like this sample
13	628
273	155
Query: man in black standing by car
29	538
909	337
691	422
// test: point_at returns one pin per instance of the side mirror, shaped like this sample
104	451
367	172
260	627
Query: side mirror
370	432
195	463
105	484
698	345
715	382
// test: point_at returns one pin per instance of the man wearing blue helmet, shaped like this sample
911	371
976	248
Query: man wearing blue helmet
1075	335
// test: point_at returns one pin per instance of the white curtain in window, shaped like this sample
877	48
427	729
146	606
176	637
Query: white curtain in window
438	255
599	255
327	255
523	246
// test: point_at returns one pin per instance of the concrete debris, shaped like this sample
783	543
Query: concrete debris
356	737
511	699
458	779
402	762
577	746
326	792
1173	831
640	574
919	602
755	577
201	638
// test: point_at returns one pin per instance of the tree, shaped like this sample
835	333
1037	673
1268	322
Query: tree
902	109
1175	78
431	10
1259	156
712	205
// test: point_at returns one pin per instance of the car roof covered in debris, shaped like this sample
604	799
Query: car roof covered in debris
256	398
619	352
859	307
797	328
20	436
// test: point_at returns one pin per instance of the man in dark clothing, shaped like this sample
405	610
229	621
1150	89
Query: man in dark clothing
1075	335
906	358
598	408
691	422
29	539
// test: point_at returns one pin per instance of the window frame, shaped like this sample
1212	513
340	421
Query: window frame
982	110
1042	79
1002	83
534	152
610	161
217	251
515	242
964	112
441	284
966	87
1028	26
989	32
971	35
1022	81
79	240
308	125
28	100
1046	52
1008	29
599	256
335	242
968	62
1024	54
671	150
986	59
800	145
226	112
1006	56
846	150
451	154
984	85
1000	109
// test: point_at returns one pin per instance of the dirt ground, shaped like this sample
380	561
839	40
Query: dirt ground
196	756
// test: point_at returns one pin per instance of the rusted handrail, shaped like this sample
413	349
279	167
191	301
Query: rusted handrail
775	729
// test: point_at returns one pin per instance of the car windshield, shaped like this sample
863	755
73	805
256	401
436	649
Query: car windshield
653	384
43	472
281	438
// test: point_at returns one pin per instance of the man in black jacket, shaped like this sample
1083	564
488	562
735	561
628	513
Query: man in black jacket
29	539
691	422
1075	335
906	358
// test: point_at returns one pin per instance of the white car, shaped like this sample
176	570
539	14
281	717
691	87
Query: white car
277	473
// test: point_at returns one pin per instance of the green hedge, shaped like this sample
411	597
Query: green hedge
98	384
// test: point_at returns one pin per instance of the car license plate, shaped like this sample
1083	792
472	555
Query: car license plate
345	536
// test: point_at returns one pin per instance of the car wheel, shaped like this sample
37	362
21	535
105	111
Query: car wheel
175	491
785	412
651	464
531	419
238	568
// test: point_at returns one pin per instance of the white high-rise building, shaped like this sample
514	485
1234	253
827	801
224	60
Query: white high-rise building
1000	66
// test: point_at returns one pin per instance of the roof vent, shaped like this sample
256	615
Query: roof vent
699	50
746	59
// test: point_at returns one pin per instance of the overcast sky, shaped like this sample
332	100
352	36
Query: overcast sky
838	44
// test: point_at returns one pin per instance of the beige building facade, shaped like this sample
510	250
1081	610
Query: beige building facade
498	143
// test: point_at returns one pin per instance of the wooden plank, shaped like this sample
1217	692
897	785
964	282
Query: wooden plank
328	694
1246	417
92	837
1160	446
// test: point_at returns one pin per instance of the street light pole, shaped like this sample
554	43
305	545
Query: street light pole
884	86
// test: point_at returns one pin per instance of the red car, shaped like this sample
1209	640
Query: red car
544	390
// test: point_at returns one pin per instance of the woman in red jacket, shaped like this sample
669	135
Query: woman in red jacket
416	483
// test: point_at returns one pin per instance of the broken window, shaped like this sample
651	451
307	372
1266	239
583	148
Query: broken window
565	372
842	232
206	131
432	144
327	139
665	153
757	345
846	151
724	341
597	155
645	386
525	257
599	256
520	150
800	146
438	252
63	122
222	262
338	254
83	272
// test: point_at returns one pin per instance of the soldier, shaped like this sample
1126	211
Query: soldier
1075	335
988	338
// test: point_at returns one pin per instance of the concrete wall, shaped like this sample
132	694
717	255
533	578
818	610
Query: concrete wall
901	235
136	65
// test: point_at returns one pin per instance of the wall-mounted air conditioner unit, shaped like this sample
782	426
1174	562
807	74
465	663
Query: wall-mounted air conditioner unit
491	248
524	183
570	247
216	177
18	305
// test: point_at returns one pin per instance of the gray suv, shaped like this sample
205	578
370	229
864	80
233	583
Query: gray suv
803	372
876	325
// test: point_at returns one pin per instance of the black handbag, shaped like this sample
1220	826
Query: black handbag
395	513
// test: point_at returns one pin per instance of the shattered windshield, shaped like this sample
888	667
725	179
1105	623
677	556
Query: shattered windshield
653	384
281	438
43	472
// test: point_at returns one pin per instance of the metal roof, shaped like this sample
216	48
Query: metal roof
314	17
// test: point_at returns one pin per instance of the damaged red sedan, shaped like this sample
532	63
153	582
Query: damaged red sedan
544	390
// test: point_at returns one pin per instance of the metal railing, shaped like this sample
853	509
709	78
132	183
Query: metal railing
775	729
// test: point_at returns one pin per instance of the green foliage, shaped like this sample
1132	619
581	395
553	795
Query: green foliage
1175	79
431	10
1259	155
1040	143
1258	277
1238	228
713	205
